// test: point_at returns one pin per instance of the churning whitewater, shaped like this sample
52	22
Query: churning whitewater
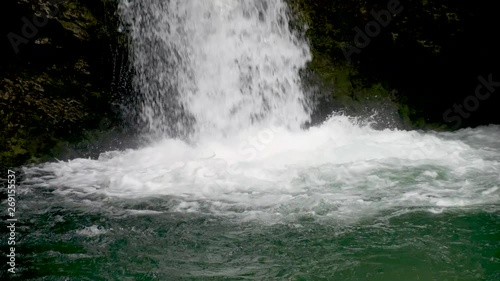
221	92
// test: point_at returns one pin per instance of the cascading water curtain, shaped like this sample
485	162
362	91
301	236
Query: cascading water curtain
216	67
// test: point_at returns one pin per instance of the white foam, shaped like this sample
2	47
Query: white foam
92	231
350	169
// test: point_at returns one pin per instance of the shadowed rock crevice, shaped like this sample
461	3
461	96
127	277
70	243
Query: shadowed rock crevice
64	76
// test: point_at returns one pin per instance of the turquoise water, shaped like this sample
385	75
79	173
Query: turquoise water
164	213
69	241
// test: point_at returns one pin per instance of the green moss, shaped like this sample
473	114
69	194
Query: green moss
349	84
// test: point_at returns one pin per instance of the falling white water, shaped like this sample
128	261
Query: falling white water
226	72
216	67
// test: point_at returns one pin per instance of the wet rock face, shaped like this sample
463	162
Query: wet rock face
63	65
428	54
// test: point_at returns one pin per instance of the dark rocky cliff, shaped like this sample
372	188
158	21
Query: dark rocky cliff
426	57
63	75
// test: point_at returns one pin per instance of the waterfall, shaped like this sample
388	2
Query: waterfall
220	85
216	67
